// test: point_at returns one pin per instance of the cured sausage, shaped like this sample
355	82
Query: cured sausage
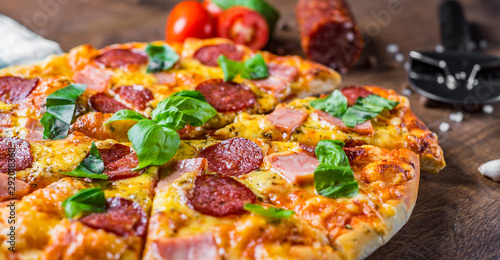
208	55
13	90
218	195
328	33
122	217
353	92
20	151
233	157
226	96
135	95
116	58
103	103
122	168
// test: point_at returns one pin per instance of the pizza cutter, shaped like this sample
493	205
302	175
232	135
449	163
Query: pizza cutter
457	75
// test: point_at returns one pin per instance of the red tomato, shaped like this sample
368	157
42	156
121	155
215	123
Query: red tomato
212	8
244	26
189	19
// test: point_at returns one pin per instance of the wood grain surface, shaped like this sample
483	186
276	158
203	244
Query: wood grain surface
457	215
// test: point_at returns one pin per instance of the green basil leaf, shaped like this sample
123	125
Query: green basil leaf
86	200
264	8
230	68
270	212
171	118
194	111
126	114
53	128
331	153
59	112
154	145
190	93
91	167
334	178
375	102
366	109
255	68
334	104
161	57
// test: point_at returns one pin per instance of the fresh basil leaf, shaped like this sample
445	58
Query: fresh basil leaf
59	112
334	178
366	109
171	118
331	153
230	68
334	104
255	68
194	111
91	167
375	102
154	145
53	128
161	57
190	93
270	212
335	182
86	200
126	114
264	8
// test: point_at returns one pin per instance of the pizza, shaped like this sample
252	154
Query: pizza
202	150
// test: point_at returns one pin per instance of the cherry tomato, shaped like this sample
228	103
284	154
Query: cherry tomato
189	19
244	26
212	8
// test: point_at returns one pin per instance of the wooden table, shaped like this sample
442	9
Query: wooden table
457	215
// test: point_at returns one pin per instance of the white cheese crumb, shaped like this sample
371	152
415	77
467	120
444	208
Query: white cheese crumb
399	57
488	109
392	48
444	127
491	170
456	116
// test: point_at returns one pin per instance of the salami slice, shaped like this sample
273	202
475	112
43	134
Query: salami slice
122	168
226	96
13	90
116	58
20	151
328	33
122	217
136	95
218	195
233	157
114	153
103	103
208	55
353	92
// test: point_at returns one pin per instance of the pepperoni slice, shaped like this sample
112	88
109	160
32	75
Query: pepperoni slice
233	157
208	55
226	96
20	150
114	153
119	57
136	95
122	168
353	92
122	217
13	90
218	195
103	103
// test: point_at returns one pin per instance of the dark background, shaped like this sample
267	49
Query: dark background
457	215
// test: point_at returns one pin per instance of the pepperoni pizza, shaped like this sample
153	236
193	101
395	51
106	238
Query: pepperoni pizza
201	150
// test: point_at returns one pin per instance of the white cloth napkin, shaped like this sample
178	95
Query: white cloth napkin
19	45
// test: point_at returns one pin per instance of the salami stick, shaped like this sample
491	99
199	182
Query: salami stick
328	33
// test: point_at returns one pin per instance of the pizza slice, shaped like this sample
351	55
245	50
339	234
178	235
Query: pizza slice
299	121
78	219
242	198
